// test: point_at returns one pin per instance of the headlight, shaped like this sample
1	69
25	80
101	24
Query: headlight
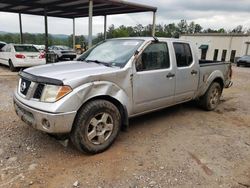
52	93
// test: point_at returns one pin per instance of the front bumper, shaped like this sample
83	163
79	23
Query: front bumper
65	56
47	122
246	63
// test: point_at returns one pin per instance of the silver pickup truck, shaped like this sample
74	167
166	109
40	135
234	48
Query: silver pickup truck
92	98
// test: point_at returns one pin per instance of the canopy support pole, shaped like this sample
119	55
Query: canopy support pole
74	34
105	27
21	28
46	34
153	26
90	23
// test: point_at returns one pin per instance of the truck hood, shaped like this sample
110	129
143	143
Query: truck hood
70	71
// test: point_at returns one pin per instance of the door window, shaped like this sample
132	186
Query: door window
155	56
183	54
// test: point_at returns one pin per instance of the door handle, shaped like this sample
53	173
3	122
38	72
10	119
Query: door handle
193	72
170	75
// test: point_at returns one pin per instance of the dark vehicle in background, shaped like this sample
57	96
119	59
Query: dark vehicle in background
63	52
244	60
2	44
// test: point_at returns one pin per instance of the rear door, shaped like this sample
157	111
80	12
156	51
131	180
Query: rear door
187	72
154	79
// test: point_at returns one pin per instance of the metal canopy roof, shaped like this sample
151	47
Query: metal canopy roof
72	8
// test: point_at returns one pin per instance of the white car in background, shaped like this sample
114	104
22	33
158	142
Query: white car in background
21	55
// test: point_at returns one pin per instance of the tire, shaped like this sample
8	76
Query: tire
238	64
96	127
57	59
71	59
211	98
12	68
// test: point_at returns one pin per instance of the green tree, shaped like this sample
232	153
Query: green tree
182	27
238	29
171	30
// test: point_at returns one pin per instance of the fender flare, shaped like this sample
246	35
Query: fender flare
214	76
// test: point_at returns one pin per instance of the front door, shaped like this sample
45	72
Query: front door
187	72
154	79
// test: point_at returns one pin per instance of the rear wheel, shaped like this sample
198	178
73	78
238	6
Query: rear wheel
238	64
12	68
96	126
211	98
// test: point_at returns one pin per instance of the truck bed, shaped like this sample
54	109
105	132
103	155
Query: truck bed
208	69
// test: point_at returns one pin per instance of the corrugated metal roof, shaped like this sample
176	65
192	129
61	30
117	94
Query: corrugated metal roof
72	8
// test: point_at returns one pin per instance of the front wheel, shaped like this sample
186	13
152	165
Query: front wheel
211	98
96	126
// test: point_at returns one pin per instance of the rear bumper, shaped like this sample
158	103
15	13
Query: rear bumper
29	64
44	121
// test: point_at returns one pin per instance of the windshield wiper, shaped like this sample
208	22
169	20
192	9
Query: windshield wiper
99	62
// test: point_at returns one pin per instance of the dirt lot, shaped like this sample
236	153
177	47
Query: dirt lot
182	146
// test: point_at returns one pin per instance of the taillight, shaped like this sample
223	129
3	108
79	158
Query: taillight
20	56
42	56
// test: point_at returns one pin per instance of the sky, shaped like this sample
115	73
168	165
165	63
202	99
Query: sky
213	14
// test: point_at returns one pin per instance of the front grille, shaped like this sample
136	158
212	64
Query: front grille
24	86
39	91
35	89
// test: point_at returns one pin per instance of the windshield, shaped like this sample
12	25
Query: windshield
25	49
115	52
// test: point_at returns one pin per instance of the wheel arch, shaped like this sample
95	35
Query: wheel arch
215	76
220	81
122	109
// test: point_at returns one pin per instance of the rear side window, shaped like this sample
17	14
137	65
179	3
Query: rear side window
183	54
25	49
155	56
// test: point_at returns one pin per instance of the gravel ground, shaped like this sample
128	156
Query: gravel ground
181	146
